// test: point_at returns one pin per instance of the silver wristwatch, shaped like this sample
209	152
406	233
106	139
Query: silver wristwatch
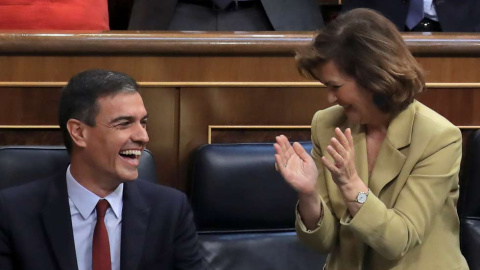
362	197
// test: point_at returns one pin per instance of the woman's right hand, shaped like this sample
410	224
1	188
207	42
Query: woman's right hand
300	171
296	166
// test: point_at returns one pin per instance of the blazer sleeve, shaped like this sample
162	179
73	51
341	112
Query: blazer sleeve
6	262
325	235
434	178
187	249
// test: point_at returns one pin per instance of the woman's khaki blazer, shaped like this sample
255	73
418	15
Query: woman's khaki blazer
409	220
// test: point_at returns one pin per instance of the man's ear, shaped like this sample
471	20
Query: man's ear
77	132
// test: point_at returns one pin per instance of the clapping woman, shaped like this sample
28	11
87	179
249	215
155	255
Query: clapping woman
379	190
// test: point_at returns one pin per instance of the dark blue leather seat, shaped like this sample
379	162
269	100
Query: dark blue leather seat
23	164
245	211
469	202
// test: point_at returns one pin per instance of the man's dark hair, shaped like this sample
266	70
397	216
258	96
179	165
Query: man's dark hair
79	97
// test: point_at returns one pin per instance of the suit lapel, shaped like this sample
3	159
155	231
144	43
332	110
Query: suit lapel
58	224
304	15
134	226
390	159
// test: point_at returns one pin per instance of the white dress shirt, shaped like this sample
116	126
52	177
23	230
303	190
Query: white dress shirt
84	217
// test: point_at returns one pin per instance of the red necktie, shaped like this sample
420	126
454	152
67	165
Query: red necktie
101	246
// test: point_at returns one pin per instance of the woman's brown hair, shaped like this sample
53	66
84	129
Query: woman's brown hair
366	46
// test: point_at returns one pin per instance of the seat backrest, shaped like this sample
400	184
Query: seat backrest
23	164
469	202
245	211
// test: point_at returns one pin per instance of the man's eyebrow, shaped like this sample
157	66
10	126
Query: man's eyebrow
126	118
121	118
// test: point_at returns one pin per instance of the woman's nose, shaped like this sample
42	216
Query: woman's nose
332	98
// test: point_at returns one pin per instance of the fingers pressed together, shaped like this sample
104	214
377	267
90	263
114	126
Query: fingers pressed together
340	149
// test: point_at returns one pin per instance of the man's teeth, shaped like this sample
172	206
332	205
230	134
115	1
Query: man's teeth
131	152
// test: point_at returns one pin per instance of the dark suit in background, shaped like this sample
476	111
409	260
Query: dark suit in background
36	228
279	15
453	15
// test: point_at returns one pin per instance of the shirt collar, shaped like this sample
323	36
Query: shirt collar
85	200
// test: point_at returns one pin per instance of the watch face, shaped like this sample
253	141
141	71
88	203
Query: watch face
361	198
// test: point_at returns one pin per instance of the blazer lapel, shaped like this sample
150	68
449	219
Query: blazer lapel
58	224
134	226
360	146
388	165
390	159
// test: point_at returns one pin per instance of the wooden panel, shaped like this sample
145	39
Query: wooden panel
29	106
204	69
451	69
162	107
460	106
27	136
151	69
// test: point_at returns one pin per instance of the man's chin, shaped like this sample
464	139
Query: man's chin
129	176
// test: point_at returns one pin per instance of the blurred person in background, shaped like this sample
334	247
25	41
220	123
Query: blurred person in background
425	15
226	15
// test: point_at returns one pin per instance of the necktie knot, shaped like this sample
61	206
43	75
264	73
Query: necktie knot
102	207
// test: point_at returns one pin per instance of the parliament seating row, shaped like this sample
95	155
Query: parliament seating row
244	210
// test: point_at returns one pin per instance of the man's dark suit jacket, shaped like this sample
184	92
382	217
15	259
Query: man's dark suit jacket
284	15
453	15
36	228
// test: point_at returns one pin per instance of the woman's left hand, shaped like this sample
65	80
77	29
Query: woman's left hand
342	151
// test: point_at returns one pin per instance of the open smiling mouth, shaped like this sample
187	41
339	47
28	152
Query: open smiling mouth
131	154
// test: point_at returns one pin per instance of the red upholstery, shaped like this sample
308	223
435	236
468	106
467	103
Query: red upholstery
54	14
